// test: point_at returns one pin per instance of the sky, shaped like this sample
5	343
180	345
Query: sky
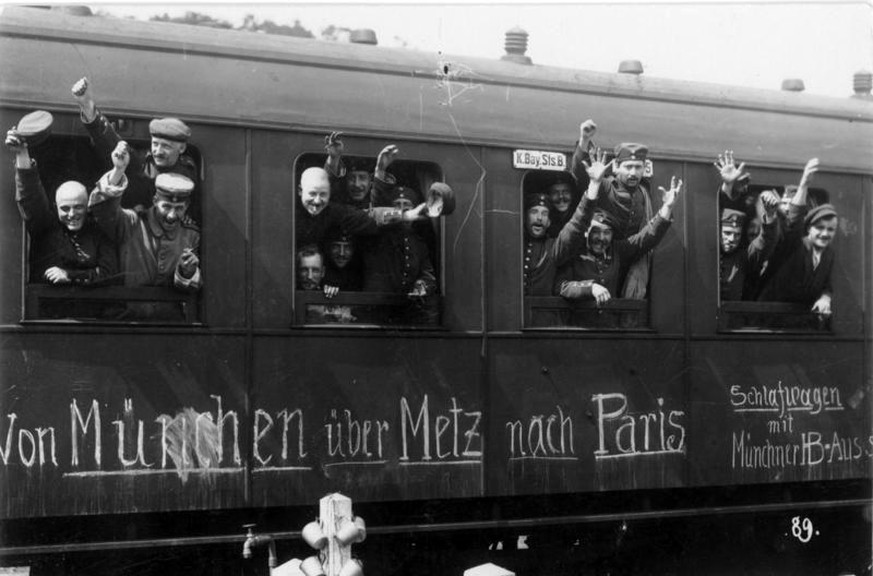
752	43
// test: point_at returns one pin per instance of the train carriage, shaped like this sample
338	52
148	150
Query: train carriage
144	446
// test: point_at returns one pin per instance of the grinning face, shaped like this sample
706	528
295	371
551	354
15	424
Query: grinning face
560	195
821	233
72	201
341	253
166	152
630	172
730	238
170	213
314	190
358	184
538	221
310	271
599	238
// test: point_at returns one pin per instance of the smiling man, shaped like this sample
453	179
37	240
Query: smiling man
167	152
595	272
66	247
159	245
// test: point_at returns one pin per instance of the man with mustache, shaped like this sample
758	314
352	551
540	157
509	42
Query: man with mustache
169	142
351	180
159	246
594	273
66	247
343	268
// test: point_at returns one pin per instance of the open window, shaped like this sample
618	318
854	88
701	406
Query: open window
104	298
385	276
763	284
559	278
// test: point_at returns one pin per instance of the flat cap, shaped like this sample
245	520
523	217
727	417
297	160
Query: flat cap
531	200
170	128
733	217
359	164
603	218
175	187
631	151
819	213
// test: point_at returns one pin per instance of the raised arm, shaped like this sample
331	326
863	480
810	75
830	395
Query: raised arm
587	129
761	248
334	163
653	232
33	203
730	173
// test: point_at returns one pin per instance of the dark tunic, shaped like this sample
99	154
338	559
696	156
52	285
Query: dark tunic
88	256
793	278
575	279
739	270
334	219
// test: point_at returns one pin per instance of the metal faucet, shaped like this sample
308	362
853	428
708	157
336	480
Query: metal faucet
253	541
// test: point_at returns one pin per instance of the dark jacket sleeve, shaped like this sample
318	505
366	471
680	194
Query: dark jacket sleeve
352	220
105	140
647	238
571	235
33	203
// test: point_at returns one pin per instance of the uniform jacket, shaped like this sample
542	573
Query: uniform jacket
543	256
395	260
88	256
794	279
150	255
575	279
738	269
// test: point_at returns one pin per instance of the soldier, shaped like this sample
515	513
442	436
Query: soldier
802	273
343	268
67	247
350	180
169	141
741	267
159	246
398	261
563	200
594	272
311	276
320	217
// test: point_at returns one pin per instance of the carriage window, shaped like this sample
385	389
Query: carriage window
579	277
354	263
765	239
79	269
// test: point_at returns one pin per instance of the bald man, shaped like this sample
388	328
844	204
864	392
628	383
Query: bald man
67	247
317	217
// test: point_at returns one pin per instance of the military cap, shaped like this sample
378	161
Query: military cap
338	235
359	164
603	218
531	200
175	187
34	128
819	213
562	177
732	217
631	151
406	193
170	128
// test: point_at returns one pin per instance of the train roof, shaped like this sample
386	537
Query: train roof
242	78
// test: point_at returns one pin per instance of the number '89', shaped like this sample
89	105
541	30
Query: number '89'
801	528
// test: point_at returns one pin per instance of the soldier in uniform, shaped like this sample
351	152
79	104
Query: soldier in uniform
319	217
351	181
563	199
343	268
67	247
398	261
159	245
595	272
169	141
802	271
312	276
741	264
